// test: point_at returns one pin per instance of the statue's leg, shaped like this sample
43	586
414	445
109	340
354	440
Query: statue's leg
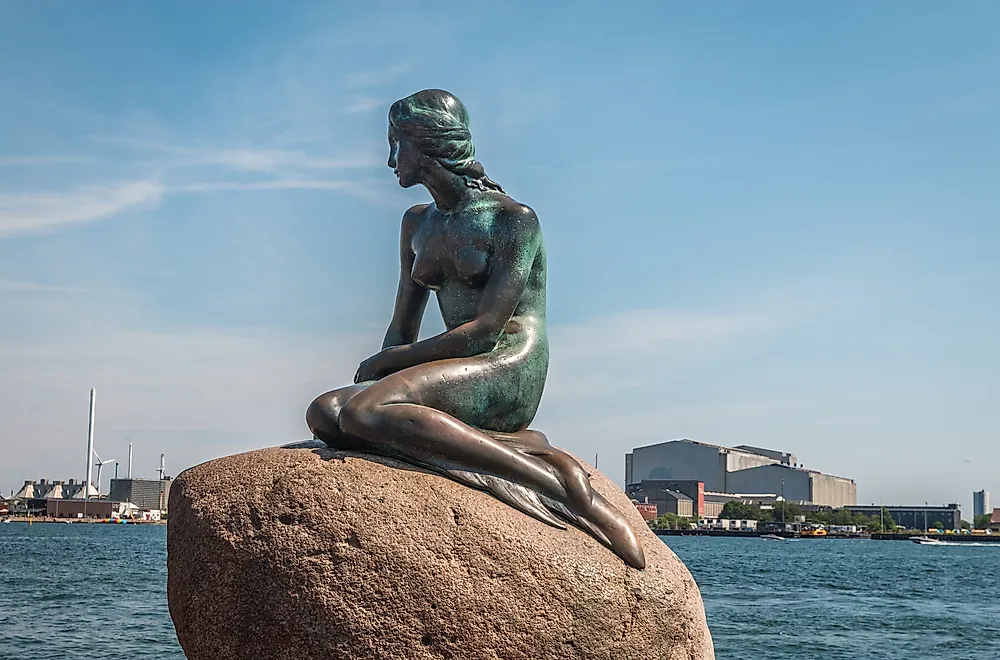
397	413
323	415
581	497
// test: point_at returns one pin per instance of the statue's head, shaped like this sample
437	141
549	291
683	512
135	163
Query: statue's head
433	126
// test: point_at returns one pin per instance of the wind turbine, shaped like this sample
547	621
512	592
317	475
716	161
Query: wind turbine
99	464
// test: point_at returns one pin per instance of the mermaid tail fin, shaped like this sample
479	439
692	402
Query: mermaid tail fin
549	511
523	499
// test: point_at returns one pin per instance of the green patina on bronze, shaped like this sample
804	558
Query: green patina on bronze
461	401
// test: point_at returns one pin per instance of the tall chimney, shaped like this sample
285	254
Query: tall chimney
130	460
161	467
90	444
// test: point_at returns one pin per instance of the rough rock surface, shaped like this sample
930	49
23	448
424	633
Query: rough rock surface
302	554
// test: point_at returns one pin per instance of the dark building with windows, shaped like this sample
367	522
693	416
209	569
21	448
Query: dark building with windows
682	498
915	517
147	494
654	491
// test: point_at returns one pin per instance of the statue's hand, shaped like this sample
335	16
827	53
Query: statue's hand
376	367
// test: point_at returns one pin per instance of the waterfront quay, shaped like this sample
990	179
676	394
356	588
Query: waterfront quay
749	533
945	538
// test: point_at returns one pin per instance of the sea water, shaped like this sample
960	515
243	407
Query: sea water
99	592
839	599
94	591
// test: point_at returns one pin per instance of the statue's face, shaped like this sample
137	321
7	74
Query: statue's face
404	159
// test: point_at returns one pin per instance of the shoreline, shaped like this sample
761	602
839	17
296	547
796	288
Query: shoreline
81	521
905	536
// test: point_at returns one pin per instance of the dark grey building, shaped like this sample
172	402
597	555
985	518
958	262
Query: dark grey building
650	488
147	494
667	500
915	517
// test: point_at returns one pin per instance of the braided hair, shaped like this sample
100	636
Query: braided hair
438	124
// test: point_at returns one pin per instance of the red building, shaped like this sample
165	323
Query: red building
646	510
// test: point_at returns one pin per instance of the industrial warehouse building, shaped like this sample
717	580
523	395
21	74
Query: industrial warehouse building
43	489
742	469
65	499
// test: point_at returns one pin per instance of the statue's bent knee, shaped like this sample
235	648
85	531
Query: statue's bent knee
322	415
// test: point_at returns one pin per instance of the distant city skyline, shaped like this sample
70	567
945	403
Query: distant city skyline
768	224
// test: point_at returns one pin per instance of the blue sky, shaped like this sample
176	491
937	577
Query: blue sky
767	223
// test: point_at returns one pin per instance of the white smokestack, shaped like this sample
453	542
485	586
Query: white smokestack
161	467
130	460
90	444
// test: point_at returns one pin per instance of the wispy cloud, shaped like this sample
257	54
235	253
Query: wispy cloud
20	286
213	169
363	104
29	213
654	329
293	184
38	212
376	77
248	159
594	359
26	161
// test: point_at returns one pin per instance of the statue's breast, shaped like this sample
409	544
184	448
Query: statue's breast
442	257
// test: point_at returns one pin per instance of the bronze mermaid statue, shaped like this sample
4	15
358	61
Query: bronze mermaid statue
460	402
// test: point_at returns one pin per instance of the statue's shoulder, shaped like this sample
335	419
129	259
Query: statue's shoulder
413	216
415	212
518	214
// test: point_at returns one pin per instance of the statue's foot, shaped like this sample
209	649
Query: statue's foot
619	533
524	441
586	503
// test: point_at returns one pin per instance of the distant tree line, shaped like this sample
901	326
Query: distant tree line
672	521
787	512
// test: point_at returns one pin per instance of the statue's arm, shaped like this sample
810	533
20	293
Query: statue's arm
510	268
411	298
